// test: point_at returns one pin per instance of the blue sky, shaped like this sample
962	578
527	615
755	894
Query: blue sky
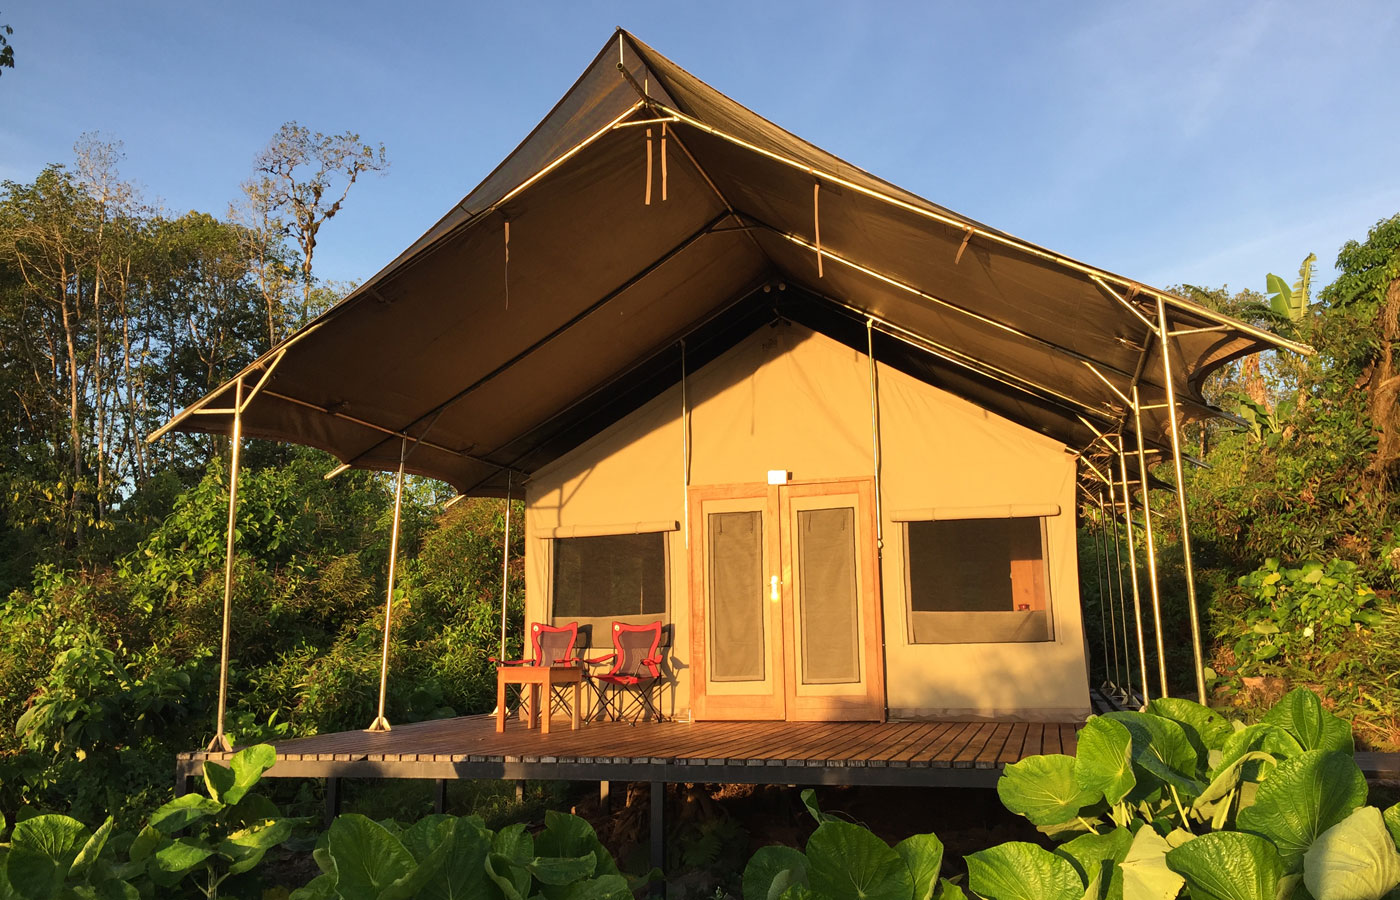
1198	142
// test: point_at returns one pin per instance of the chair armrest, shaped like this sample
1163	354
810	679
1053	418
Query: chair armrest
599	660
511	662
567	661
653	661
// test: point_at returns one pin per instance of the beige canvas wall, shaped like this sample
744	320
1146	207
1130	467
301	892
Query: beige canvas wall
786	398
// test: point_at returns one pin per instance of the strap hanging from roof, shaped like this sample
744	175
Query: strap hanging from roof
957	257
648	191
817	224
663	162
506	277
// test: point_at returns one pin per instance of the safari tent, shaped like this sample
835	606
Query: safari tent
832	434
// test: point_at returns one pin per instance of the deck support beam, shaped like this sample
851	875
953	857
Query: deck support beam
440	796
658	832
332	800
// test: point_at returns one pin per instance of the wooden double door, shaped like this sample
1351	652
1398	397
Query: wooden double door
785	602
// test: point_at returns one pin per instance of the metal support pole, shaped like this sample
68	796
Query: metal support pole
505	569
875	431
221	741
1133	571
1122	602
380	723
1151	548
1099	573
332	800
1164	334
1112	622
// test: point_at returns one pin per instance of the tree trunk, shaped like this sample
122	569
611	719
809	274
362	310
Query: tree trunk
1384	393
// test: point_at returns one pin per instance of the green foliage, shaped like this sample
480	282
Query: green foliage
844	861
446	856
1301	613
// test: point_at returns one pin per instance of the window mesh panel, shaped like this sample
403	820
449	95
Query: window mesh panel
977	581
736	610
829	603
610	575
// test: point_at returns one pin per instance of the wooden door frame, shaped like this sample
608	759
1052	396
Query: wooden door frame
871	706
785	703
735	707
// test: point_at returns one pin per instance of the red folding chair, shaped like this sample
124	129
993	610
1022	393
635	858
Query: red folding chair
553	646
636	672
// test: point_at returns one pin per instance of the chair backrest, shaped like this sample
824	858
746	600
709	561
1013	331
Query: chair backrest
553	643
636	648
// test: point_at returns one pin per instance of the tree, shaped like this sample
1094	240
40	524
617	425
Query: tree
306	176
7	53
1370	279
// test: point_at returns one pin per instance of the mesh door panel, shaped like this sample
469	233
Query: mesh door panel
736	596
829	601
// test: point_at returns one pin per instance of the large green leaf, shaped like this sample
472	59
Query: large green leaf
247	846
604	887
1089	852
947	890
83	862
568	835
1161	748
183	811
1300	713
1103	762
1302	798
1205	728
217	779
1044	789
923	854
809	800
248	766
1021	871
462	871
514	843
847	862
424	836
1146	875
1228	865
1260	737
1392	821
1353	860
511	877
42	851
177	859
557	870
367	857
761	875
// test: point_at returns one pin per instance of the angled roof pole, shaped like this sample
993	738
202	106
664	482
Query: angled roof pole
380	723
1133	571
221	741
1165	330
1151	548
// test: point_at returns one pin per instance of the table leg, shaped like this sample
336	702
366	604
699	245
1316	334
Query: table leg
532	707
574	709
500	703
545	706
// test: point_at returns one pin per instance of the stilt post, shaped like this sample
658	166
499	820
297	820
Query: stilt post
505	568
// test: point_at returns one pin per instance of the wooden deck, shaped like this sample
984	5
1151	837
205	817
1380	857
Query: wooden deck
964	754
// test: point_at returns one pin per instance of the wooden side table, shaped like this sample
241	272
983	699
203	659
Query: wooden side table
537	679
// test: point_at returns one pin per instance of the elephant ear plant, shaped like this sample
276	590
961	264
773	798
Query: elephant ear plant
195	839
443	857
1176	798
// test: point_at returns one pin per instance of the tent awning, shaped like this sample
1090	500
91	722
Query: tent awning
646	209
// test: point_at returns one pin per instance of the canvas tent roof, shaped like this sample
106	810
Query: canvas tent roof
554	299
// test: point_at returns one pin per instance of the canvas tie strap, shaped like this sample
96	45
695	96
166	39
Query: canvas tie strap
817	224
648	191
663	162
957	258
506	277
